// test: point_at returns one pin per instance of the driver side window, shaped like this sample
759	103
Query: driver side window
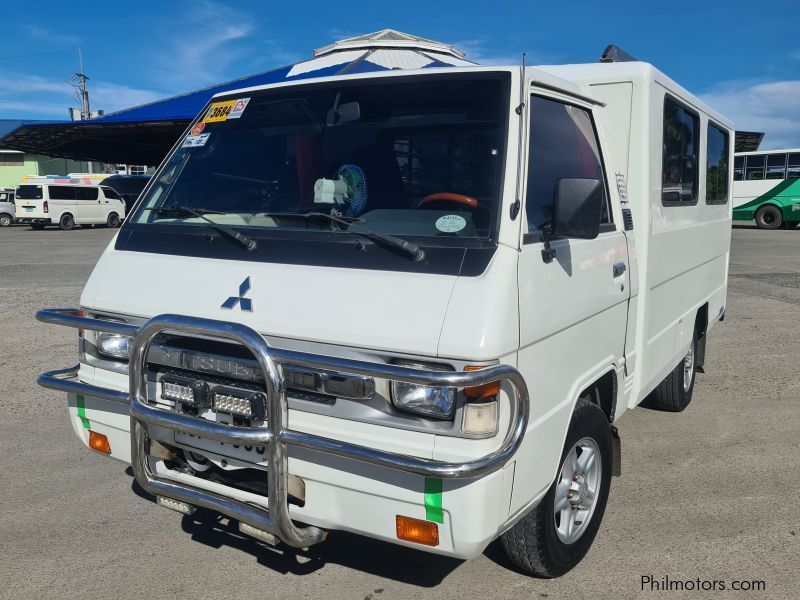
563	143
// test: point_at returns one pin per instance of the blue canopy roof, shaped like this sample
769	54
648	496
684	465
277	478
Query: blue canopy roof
144	134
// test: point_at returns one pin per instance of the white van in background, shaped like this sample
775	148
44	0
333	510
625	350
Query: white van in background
7	208
42	203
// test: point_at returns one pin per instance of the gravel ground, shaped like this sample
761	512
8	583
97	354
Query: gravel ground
710	493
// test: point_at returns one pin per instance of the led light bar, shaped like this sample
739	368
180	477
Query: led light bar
240	403
258	534
188	391
176	505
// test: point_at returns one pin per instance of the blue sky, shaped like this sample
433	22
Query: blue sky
742	57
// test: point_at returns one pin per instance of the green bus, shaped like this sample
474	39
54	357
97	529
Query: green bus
766	188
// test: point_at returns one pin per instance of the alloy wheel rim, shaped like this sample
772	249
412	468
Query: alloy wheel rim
577	488
688	369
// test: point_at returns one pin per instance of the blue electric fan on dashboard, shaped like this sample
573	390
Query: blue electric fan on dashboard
356	181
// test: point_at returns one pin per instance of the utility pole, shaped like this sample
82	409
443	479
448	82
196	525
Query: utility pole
80	80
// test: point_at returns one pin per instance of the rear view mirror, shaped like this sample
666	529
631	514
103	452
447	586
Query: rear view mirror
577	208
343	113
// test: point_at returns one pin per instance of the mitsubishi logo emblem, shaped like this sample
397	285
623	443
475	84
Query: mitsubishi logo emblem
245	303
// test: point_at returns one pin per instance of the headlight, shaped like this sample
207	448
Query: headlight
437	402
113	345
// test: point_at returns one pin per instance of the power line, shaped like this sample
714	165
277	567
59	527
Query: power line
38	54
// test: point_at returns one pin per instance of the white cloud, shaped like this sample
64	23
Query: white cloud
772	107
41	34
112	97
31	94
200	50
479	50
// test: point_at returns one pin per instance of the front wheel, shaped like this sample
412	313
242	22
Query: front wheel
5	220
769	217
554	537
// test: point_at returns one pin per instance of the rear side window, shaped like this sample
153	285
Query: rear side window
776	166
4	197
61	192
86	193
793	168
716	165
738	168
679	173
29	192
754	167
563	144
109	193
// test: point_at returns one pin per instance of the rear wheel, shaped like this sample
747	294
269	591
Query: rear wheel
554	537
113	220
674	393
66	222
5	220
769	217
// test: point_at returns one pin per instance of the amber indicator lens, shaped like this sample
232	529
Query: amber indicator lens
486	390
99	442
417	531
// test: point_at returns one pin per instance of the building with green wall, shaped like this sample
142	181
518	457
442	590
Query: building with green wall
15	165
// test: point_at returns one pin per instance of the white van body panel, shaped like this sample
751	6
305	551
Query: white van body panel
683	252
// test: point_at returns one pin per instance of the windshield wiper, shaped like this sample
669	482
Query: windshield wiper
201	213
409	248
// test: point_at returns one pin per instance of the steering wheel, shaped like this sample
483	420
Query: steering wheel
450	198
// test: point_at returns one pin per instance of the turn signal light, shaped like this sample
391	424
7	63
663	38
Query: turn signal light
481	391
99	442
417	531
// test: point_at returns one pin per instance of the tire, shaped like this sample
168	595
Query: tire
113	221
5	220
37	226
674	393
769	217
66	222
538	544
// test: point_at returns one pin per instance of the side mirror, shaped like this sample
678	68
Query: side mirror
577	208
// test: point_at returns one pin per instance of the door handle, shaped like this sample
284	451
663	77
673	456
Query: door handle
619	269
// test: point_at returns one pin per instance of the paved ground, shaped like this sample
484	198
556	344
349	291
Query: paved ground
711	493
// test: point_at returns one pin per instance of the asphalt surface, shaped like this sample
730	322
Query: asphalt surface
711	493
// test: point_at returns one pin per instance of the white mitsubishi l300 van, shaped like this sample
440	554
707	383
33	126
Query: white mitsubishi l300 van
409	305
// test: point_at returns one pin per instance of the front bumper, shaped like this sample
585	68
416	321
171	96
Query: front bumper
275	437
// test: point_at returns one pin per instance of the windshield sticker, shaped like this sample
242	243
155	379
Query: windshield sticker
194	141
450	223
198	128
218	111
238	108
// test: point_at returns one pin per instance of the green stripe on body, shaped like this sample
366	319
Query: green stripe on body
82	411
778	190
433	500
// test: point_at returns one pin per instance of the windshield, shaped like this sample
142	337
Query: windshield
29	192
417	157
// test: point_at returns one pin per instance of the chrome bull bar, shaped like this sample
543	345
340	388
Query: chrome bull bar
274	436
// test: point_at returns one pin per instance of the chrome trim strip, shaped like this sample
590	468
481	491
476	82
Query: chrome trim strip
274	435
